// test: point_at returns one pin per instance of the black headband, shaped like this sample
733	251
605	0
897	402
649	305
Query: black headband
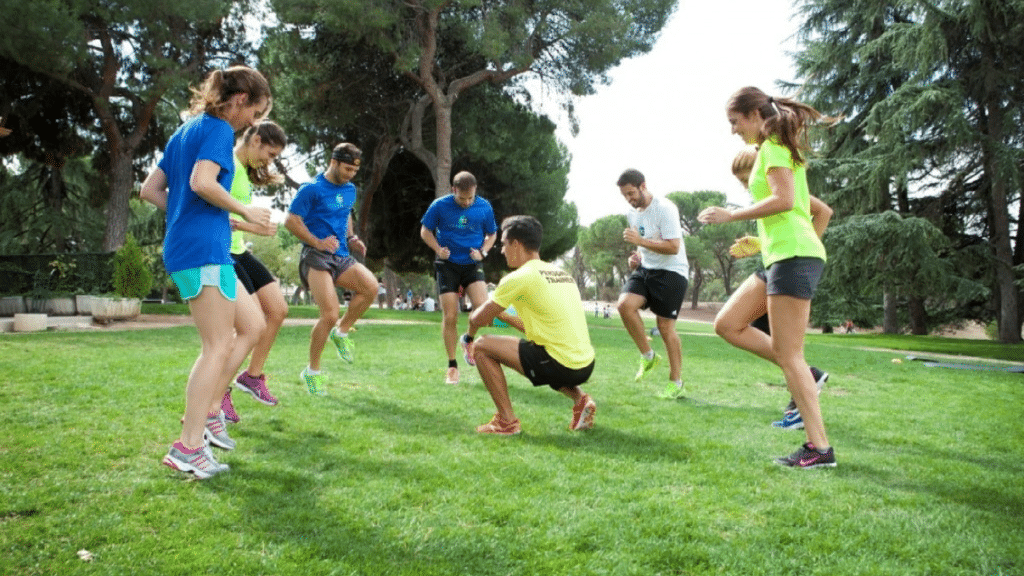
343	155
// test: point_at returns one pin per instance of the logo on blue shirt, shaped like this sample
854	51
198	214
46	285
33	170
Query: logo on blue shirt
463	222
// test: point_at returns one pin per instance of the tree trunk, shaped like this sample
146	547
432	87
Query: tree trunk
698	281
1009	322
443	150
890	320
117	205
918	317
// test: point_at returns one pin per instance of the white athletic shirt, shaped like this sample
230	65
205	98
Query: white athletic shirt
660	221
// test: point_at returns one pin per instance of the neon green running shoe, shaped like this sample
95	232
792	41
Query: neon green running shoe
672	391
314	382
344	345
646	366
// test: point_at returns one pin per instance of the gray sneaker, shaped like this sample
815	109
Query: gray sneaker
216	433
200	463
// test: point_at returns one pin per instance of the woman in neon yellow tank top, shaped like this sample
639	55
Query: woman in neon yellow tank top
793	254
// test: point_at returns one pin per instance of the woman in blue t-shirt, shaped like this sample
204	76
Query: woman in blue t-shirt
196	172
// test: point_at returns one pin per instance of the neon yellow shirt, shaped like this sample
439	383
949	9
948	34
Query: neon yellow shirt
549	305
786	234
241	190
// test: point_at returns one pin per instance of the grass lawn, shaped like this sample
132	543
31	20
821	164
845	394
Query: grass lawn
387	476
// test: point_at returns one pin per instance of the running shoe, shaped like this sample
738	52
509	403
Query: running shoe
227	408
499	426
808	457
672	391
465	350
791	420
646	366
199	462
344	345
820	378
216	432
583	414
257	387
314	382
452	376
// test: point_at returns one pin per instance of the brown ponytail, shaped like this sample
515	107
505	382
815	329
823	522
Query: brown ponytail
220	85
784	119
271	134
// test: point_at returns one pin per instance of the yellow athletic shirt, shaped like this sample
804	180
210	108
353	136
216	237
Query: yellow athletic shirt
549	304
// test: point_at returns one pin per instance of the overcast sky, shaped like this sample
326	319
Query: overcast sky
664	112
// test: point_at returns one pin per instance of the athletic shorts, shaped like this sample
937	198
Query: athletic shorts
543	370
319	260
663	290
797	277
191	280
253	274
451	276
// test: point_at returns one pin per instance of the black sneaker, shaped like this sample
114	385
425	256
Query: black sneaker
820	378
808	457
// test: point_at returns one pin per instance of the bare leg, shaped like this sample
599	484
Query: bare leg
673	347
449	321
275	309
322	288
629	310
249	325
748	303
491	353
788	318
363	285
214	316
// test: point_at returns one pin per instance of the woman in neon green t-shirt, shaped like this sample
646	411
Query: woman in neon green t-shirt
254	152
793	254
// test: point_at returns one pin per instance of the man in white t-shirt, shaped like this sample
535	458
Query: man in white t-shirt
659	278
429	304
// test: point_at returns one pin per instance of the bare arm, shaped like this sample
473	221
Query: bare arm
820	216
484	316
294	224
632	236
782	191
354	243
203	182
154	189
431	241
478	253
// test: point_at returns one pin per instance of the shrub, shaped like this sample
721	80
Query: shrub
132	277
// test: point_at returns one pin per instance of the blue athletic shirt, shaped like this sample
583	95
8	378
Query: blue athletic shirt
460	229
198	233
324	208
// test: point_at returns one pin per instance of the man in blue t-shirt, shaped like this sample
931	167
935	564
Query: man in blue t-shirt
319	216
460	229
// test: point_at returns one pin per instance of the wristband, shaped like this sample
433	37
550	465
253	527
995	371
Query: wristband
467	338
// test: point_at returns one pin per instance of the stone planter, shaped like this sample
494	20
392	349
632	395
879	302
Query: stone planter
29	322
83	303
60	306
106	309
11	305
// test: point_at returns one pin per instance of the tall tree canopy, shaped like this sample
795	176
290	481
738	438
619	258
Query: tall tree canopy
123	57
446	47
935	96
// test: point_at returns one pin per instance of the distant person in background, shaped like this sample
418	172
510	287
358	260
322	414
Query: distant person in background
659	278
791	249
460	229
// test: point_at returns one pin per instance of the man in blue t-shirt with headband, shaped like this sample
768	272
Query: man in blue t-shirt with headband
460	229
320	216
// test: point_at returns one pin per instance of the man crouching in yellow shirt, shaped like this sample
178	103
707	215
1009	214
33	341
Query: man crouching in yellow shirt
556	351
